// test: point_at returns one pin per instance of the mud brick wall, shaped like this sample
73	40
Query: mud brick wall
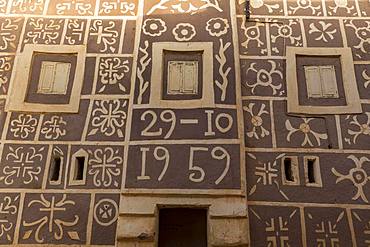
228	142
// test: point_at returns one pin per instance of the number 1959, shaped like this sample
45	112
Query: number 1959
196	173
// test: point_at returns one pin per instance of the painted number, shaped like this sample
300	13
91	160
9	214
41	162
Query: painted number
222	117
197	173
167	116
160	154
222	122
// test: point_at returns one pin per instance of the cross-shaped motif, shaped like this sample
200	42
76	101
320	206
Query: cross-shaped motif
327	234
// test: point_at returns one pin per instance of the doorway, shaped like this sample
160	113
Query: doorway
182	227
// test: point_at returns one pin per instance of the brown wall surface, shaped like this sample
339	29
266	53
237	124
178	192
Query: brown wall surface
224	145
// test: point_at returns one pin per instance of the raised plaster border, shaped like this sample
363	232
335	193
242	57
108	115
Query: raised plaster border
207	99
349	82
21	73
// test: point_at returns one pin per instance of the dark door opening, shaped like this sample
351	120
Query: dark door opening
182	227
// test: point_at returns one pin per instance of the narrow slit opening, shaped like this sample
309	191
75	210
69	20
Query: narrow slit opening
55	169
80	167
288	170
311	170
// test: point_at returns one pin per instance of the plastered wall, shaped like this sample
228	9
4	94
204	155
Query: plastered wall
222	151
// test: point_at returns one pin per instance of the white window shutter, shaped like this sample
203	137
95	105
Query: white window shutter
61	78
329	82
46	77
54	77
174	80
312	74
190	81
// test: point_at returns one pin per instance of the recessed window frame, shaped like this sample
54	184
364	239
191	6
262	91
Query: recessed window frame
52	169
353	103
317	171
294	165
207	96
20	79
74	167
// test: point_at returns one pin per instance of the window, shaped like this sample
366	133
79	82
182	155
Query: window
54	77
47	78
321	81
79	167
290	172
55	170
312	171
182	77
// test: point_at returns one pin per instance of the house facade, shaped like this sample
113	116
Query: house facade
202	122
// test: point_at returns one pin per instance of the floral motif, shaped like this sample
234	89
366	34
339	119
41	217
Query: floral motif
51	220
264	78
8	35
185	6
30	6
75	31
3	4
324	33
80	7
23	126
305	128
25	164
305	4
253	33
123	7
284	33
108	117
105	34
363	35
112	71
367	78
217	27
184	32
360	128
341	4
256	4
5	67
54	128
104	166
357	176
154	27
8	208
44	31
257	121
267	174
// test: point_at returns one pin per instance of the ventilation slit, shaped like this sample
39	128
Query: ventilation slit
55	169
311	170
288	169
80	167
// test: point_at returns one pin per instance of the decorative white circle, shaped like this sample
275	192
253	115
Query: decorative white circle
109	210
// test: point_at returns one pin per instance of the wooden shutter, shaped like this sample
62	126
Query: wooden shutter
182	77
46	77
174	80
313	81
54	77
328	82
61	78
190	79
